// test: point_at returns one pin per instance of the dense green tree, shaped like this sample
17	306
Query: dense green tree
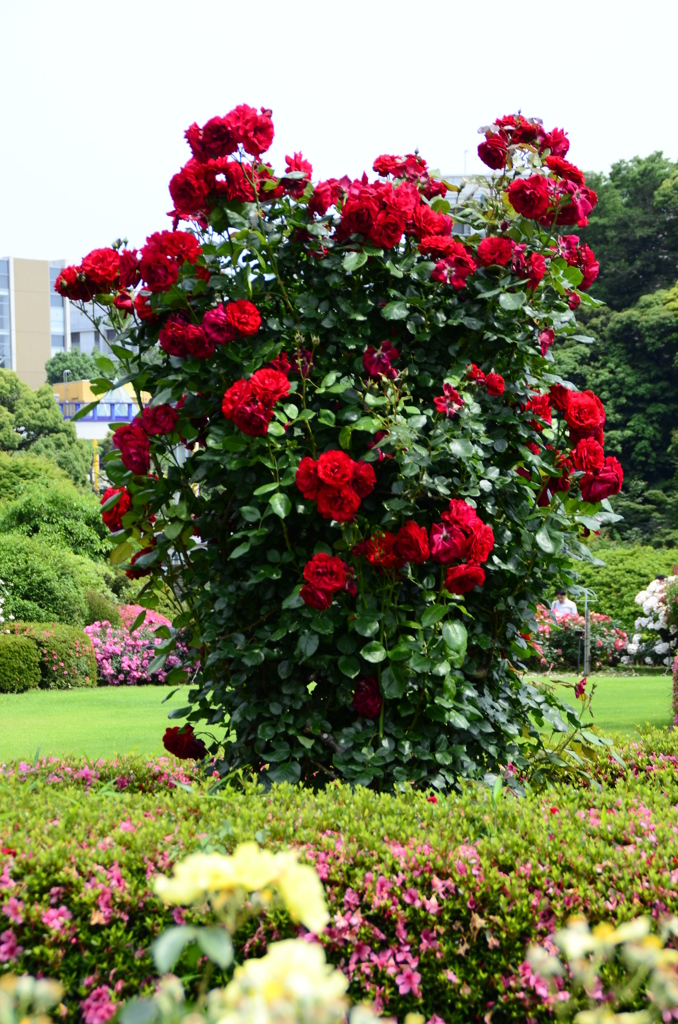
80	365
20	474
67	516
31	421
634	228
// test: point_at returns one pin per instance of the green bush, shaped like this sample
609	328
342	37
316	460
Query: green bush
20	472
60	515
81	366
66	654
100	609
464	885
19	664
626	572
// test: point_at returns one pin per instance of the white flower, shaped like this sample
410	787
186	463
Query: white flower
637	638
641	597
667	661
632	649
661	648
648	661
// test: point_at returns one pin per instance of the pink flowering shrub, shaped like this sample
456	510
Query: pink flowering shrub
558	641
129	612
123	658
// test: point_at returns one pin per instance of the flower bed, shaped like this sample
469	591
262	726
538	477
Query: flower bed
433	902
123	658
561	640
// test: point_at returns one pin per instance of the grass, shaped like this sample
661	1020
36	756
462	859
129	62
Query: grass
114	720
622	703
95	723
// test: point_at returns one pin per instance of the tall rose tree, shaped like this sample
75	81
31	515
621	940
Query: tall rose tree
358	472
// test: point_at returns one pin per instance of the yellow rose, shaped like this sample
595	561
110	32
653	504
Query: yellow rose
304	897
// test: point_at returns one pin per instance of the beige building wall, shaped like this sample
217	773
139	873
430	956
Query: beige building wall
32	320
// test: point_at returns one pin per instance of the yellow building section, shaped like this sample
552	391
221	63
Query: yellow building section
80	391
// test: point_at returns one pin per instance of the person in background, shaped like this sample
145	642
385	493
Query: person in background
563	605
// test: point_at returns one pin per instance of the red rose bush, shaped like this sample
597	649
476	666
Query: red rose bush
358	472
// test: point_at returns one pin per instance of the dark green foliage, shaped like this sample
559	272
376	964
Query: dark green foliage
60	515
80	364
21	472
626	572
100	609
66	654
634	228
19	664
505	873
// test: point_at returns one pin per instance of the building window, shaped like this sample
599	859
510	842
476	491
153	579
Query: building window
75	340
5	336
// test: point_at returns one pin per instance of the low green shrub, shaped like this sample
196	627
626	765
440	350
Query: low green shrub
100	609
626	572
61	515
21	472
434	901
19	664
66	654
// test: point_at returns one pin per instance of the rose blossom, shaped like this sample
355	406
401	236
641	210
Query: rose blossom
495	384
326	572
495	251
584	414
588	455
243	317
217	326
411	543
460	579
159	419
529	196
493	151
306	478
181	741
335	468
102	267
340	505
603	484
450	402
112	517
132	441
363	478
379	362
367	699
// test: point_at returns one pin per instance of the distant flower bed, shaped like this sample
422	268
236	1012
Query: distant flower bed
131	773
561	640
124	658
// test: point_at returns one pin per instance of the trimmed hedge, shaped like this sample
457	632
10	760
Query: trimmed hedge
455	889
626	572
19	664
66	654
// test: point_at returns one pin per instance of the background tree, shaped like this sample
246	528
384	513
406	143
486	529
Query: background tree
634	229
80	365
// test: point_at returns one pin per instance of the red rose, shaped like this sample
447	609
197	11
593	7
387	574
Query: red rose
307	478
197	343
475	373
480	543
367	699
606	482
189	192
137	574
182	742
519	129
217	326
556	141
129	268
494	382
564	169
72	284
325	194
159	419
379	550
173	336
112	517
244	317
493	151
559	396
447	542
143	309
455	268
541	406
335	468
340	505
588	455
269	385
387	228
426	222
460	513
378	362
252	417
495	251
411	543
460	579
437	245
102	267
546	339
584	414
176	245
363	478
326	572
218	137
573	300
158	273
321	600
529	196
532	267
132	441
450	402
579	255
253	130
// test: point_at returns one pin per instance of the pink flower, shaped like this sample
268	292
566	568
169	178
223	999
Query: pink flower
9	947
12	909
450	402
56	918
98	1007
408	981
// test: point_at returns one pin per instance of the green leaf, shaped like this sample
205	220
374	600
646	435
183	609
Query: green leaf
216	945
169	946
353	260
433	614
327	417
288	772
265	489
367	423
401	652
423	271
281	504
139	621
395	311
349	666
373	652
250	514
393	683
276	429
366	625
121	553
308	643
511	301
455	638
461	448
345	438
172	530
573	276
241	550
545	541
86	409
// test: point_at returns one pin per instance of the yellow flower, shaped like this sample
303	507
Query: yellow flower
302	891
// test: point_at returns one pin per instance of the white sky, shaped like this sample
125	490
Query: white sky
96	96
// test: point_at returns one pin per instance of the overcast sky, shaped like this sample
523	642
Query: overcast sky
96	97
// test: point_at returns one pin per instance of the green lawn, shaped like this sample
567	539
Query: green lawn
113	720
622	703
95	723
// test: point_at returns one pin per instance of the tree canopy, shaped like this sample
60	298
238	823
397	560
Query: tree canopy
80	365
